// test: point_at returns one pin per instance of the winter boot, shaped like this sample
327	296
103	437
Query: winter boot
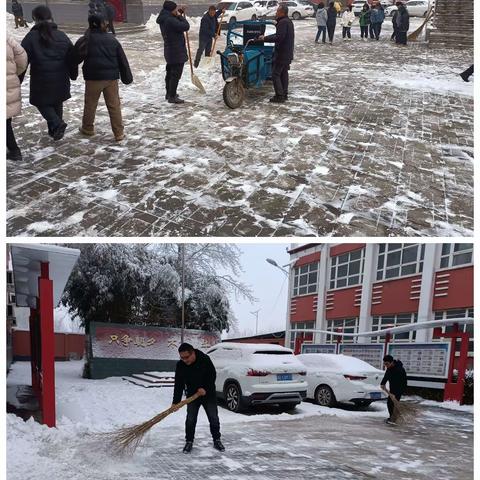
176	99
59	132
188	447
14	155
464	76
277	99
218	445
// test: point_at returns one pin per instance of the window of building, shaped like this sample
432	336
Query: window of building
381	322
399	259
347	269
454	254
305	279
457	313
345	325
308	337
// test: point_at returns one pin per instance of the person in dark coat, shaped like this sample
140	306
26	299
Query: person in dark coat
284	40
110	13
173	25
331	21
402	21
394	25
51	67
208	30
17	11
104	63
467	73
396	376
196	373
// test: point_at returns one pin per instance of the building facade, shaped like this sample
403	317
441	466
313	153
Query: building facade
354	288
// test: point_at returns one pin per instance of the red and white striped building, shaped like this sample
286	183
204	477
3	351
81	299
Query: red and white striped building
357	287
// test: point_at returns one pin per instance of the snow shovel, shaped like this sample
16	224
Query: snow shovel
212	52
416	33
127	439
195	80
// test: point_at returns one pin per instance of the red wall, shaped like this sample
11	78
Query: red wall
303	309
459	293
395	296
343	303
345	248
312	257
65	344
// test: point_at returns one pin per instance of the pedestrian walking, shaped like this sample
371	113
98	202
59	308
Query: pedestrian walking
467	73
17	11
196	373
396	377
331	21
377	16
104	63
110	13
208	31
347	21
52	67
284	40
173	25
393	37
17	61
364	21
321	22
402	21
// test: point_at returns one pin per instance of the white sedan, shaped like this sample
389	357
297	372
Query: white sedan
240	11
341	379
416	8
266	8
298	10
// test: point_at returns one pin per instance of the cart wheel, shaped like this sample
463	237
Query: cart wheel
254	17
233	93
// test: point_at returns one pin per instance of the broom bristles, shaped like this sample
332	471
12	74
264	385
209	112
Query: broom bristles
127	439
403	412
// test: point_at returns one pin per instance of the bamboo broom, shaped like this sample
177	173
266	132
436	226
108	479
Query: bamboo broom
412	37
127	439
403	412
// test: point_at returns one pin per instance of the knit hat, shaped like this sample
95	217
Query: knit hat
169	5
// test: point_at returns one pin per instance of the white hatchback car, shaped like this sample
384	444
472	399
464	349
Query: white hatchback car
240	11
298	10
416	8
340	378
266	8
253	374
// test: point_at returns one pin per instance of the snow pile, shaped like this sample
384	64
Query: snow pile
449	405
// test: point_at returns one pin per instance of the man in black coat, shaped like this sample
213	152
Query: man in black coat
110	13
402	21
396	376
173	25
17	11
208	30
196	372
284	40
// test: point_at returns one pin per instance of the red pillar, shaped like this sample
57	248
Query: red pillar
47	346
34	352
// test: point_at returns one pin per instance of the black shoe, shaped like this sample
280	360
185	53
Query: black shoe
277	99
188	447
59	132
390	422
218	445
464	77
14	155
175	99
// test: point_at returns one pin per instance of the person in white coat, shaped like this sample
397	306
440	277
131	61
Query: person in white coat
347	20
17	62
321	16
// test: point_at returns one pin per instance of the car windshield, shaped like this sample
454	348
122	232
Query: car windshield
232	6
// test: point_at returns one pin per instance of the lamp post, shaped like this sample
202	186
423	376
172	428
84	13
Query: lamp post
182	250
256	320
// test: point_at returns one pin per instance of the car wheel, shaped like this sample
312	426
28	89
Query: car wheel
254	17
296	16
324	396
232	20
233	397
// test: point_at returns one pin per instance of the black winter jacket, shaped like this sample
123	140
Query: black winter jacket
173	28
208	26
284	40
403	19
51	68
110	11
201	374
17	9
331	16
397	377
103	57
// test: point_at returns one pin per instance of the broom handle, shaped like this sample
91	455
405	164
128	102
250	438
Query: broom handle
184	402
217	34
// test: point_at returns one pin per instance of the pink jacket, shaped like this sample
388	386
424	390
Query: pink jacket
17	62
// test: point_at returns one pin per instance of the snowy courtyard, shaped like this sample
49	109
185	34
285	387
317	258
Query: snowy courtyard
313	442
375	140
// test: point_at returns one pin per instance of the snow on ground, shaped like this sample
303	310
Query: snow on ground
259	447
449	405
371	142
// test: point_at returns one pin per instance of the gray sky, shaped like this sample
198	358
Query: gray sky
269	286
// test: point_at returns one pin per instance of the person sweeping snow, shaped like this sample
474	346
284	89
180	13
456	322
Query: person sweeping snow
396	376
196	372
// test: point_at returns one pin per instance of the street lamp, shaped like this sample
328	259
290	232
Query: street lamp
275	264
256	320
